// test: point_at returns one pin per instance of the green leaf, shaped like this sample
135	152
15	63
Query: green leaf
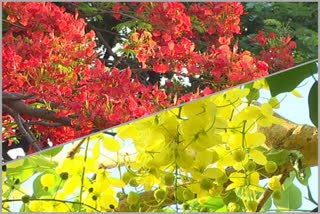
272	22
253	94
133	24
279	156
288	80
41	163
21	172
289	181
291	199
212	204
313	104
24	208
304	180
52	152
38	189
85	8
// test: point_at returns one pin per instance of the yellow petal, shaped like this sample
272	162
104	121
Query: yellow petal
111	144
296	93
274	102
116	182
254	178
234	185
127	131
255	139
258	157
266	109
213	173
96	150
274	183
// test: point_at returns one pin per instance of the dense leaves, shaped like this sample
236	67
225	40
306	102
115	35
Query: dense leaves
299	19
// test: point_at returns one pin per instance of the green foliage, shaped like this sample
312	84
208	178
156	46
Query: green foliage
52	151
291	198
299	19
253	94
292	76
313	103
84	7
278	156
133	25
212	204
305	178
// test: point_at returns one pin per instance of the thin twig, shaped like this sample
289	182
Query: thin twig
75	149
117	62
105	31
27	135
101	12
14	24
44	123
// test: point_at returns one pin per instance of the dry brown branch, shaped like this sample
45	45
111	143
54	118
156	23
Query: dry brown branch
268	192
291	136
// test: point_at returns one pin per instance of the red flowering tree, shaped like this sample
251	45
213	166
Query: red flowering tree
73	68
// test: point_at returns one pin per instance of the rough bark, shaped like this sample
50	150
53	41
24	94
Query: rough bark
291	136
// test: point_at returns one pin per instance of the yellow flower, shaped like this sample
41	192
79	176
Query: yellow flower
274	183
240	179
47	180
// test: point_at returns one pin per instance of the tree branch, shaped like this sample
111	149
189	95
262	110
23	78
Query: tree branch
43	123
104	43
27	134
106	31
291	136
15	96
75	149
14	24
268	192
21	108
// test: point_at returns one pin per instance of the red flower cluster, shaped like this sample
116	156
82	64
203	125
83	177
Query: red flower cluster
171	46
276	50
216	22
47	53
